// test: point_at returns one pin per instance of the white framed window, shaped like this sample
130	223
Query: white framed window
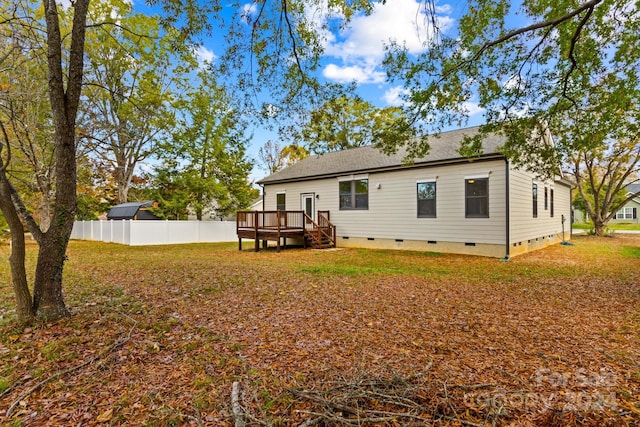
626	213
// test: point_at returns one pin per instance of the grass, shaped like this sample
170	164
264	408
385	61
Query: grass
169	329
611	226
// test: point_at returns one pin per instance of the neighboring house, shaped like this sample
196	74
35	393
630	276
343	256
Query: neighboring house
627	214
133	210
256	205
442	202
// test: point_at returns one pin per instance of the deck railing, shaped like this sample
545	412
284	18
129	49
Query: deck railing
270	220
274	225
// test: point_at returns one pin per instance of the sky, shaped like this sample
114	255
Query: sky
355	54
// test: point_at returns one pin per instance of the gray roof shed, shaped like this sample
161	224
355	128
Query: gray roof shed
132	210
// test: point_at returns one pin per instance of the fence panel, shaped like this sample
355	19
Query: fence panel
138	233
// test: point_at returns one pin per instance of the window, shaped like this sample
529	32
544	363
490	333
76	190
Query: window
534	193
551	213
546	198
626	213
281	202
477	198
426	200
354	194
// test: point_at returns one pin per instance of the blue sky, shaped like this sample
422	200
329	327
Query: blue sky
356	53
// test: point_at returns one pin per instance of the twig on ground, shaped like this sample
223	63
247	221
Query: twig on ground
27	392
473	386
238	414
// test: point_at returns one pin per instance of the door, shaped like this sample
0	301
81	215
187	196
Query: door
308	205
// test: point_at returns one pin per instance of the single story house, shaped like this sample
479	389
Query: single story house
133	210
442	202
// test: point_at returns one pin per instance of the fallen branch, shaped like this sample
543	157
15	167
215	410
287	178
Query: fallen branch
473	386
26	393
238	414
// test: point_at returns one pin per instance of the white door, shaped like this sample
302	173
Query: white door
308	204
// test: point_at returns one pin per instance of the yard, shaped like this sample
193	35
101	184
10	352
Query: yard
159	335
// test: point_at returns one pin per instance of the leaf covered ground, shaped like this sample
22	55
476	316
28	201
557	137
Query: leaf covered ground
159	335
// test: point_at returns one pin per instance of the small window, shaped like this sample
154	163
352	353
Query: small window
281	202
546	198
477	198
551	212
354	194
426	200
534	193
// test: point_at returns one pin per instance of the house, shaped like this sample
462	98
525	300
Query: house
629	212
133	210
442	202
626	214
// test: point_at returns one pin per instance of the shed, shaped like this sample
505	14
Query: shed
133	210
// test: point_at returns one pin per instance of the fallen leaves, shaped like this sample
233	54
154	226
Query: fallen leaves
159	335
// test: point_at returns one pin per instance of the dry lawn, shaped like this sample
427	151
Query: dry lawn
159	335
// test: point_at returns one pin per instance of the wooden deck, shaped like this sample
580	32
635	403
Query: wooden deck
278	226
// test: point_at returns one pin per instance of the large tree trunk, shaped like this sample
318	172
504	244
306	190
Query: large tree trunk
599	227
48	300
24	303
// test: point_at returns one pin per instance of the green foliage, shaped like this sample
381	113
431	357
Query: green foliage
135	69
169	190
205	161
346	122
573	63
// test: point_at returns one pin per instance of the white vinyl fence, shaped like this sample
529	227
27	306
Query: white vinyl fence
153	232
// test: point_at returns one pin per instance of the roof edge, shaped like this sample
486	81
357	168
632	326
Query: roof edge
445	162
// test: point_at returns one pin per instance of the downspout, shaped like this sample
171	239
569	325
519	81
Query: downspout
262	186
507	211
570	213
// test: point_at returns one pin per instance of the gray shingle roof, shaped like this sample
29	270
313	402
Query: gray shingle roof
128	210
367	159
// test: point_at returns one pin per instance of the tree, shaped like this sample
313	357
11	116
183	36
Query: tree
272	158
293	153
64	96
346	122
131	74
62	49
24	107
602	162
168	188
209	143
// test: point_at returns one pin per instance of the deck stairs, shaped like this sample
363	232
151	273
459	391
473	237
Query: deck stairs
320	234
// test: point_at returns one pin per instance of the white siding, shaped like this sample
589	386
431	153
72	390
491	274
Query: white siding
392	212
524	226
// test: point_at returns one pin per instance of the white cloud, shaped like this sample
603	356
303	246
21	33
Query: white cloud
204	55
394	96
403	21
472	108
248	11
357	73
361	45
